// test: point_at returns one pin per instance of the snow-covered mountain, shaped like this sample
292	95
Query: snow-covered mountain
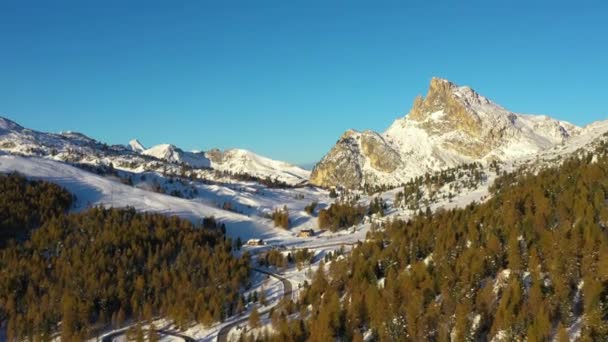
136	146
235	161
243	161
66	146
451	126
78	148
173	154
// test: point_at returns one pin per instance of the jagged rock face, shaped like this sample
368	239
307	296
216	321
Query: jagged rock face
450	126
355	160
455	114
215	155
441	97
341	166
381	155
473	126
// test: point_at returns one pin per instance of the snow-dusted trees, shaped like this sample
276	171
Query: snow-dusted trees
280	217
528	264
377	206
339	216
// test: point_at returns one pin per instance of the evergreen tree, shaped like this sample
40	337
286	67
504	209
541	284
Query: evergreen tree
254	318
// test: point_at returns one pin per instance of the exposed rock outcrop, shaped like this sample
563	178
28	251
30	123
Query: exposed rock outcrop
450	126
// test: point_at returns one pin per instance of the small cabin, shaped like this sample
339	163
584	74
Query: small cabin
306	233
255	242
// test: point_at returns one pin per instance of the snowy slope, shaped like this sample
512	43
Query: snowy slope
243	161
91	190
251	202
591	137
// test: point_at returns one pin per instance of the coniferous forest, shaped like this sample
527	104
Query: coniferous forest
25	204
527	264
103	267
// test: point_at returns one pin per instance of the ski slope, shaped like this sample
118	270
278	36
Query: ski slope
92	190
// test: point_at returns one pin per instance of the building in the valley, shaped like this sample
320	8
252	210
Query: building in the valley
306	233
255	242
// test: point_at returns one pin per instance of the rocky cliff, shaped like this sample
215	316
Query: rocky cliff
450	126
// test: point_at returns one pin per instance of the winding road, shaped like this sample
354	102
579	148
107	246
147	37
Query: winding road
110	337
222	335
333	244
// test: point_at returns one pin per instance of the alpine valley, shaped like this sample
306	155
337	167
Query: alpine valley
462	221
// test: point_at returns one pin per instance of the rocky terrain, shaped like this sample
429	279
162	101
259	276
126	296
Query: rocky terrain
451	126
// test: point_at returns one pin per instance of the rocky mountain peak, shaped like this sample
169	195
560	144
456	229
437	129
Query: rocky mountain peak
450	126
441	85
136	146
166	152
447	106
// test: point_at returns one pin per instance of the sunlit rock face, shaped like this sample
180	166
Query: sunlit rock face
450	126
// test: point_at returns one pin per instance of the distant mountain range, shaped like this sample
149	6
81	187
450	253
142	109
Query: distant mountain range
451	126
78	148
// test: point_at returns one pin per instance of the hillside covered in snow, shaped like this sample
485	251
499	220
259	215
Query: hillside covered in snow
167	158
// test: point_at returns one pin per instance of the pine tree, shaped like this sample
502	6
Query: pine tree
263	296
254	318
153	335
69	319
562	333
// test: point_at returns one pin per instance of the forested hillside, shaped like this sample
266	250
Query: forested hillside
103	267
25	204
530	263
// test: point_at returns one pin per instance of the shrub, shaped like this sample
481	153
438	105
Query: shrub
310	209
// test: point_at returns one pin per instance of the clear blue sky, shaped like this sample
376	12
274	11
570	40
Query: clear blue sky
286	80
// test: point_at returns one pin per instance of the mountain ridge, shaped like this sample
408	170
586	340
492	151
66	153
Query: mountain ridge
451	126
78	148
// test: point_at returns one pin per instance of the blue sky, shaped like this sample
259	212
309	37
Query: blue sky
285	79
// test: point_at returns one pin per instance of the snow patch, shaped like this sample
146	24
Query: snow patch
501	280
